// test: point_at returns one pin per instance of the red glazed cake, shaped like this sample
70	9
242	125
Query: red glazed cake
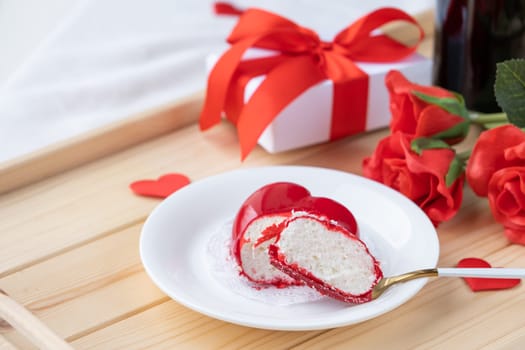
327	257
260	219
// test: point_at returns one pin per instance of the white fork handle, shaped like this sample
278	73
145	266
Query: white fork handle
481	272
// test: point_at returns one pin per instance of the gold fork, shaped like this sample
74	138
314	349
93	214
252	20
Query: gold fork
490	272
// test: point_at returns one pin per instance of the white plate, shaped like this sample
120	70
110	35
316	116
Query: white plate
174	245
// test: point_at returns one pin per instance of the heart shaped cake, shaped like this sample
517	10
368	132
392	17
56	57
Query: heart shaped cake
260	219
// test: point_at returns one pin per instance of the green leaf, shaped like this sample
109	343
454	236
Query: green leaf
458	130
452	105
455	169
423	143
510	89
457	165
460	98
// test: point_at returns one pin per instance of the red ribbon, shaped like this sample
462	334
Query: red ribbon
225	8
302	61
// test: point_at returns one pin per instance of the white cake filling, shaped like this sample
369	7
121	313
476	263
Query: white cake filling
255	260
329	255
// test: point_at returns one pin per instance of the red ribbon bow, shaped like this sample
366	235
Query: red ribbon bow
303	60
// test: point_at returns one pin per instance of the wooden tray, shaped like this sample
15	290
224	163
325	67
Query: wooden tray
98	143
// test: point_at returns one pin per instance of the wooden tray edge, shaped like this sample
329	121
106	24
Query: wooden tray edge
99	143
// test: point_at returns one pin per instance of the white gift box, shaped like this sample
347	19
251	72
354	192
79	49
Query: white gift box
307	119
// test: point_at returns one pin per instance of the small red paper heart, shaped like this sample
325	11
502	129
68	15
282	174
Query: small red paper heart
480	284
160	188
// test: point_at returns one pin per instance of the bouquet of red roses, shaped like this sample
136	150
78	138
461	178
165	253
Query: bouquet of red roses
420	159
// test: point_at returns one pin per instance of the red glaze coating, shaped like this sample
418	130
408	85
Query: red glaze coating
301	274
282	198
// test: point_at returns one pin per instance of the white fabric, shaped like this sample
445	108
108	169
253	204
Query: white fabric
110	59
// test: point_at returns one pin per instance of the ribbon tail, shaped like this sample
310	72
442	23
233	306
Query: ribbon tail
219	81
235	96
226	8
246	71
281	86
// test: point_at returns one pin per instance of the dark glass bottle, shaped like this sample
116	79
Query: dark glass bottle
471	37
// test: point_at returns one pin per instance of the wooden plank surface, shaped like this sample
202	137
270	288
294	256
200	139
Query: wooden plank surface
77	267
5	344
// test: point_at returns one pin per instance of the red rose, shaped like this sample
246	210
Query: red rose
496	169
415	116
419	177
495	149
506	193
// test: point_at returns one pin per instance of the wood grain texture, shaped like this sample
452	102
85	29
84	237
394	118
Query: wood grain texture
84	279
66	207
171	326
115	285
5	344
61	261
29	325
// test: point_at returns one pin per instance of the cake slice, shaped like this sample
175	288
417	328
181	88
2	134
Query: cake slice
327	257
259	220
253	252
